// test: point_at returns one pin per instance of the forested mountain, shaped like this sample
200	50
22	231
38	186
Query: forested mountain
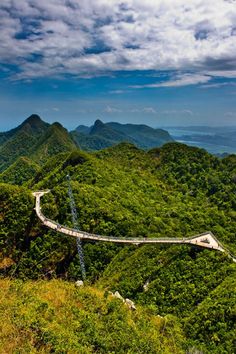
188	292
33	125
20	171
56	139
20	141
102	135
146	136
38	140
35	139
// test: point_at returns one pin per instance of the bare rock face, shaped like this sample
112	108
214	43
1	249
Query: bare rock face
130	304
118	296
79	283
145	286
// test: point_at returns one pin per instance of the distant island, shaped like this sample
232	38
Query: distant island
216	140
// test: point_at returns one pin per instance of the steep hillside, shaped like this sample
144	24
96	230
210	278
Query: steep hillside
35	139
123	191
197	287
33	123
193	170
173	191
102	135
56	139
20	171
213	321
146	136
19	141
55	316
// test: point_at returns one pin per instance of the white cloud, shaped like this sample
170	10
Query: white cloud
117	92
149	110
90	37
223	73
180	80
182	111
218	85
146	110
110	109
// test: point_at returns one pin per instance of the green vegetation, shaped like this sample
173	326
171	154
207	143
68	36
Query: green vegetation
102	135
55	140
34	139
20	141
20	171
39	141
213	321
173	191
194	170
57	317
197	287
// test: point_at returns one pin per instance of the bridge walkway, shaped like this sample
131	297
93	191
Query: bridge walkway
205	240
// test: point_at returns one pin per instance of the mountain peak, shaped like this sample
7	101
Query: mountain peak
97	127
33	123
57	125
98	123
33	120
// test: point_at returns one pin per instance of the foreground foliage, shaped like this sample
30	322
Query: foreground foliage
57	317
173	191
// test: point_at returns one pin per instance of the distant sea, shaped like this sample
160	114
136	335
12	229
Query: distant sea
190	136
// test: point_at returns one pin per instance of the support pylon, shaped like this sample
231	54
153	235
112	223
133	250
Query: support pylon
76	226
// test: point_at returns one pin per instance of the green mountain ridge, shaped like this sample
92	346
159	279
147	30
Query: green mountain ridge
36	140
145	135
33	124
56	139
101	129
173	191
107	134
22	170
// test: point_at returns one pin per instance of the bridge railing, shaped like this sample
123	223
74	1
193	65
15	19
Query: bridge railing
107	237
46	221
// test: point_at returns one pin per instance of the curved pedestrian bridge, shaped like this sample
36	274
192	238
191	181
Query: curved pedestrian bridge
205	240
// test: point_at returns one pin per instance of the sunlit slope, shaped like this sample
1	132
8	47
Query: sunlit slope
35	139
121	191
20	171
19	141
55	316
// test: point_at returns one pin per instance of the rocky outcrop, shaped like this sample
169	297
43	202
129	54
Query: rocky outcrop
127	301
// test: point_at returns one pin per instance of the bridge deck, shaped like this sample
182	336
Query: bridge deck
206	240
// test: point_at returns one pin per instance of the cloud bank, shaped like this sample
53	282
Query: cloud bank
87	38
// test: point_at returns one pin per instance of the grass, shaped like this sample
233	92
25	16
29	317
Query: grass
57	317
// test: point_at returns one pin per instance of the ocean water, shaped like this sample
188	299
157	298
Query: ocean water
181	135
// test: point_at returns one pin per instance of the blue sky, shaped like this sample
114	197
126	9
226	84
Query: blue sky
156	62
